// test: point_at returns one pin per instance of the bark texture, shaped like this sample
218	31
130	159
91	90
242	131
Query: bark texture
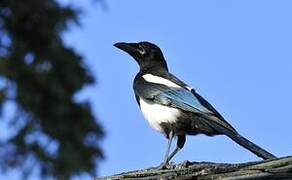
280	168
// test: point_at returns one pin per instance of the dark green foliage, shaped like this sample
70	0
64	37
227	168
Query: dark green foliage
40	76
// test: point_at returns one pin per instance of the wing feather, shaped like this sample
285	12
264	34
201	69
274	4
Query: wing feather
182	99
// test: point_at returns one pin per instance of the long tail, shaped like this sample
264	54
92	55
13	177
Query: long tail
260	152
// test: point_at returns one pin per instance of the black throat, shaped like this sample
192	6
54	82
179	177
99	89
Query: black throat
153	65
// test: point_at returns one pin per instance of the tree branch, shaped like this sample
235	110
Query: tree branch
280	168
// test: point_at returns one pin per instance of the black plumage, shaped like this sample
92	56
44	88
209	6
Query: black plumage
174	108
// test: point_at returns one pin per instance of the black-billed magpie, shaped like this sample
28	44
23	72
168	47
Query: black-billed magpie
174	108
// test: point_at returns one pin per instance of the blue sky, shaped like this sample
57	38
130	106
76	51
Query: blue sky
237	54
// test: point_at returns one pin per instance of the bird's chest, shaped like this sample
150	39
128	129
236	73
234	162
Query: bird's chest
157	114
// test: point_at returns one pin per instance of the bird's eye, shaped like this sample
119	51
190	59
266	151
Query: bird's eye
142	49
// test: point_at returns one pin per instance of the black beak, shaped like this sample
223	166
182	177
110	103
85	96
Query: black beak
130	48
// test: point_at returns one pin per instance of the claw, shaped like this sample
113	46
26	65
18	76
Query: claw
165	166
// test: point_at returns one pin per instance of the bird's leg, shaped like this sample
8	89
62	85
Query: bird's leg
165	162
181	139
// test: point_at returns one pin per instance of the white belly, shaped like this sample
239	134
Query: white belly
156	114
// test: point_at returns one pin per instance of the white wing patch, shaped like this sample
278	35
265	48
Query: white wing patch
156	114
160	80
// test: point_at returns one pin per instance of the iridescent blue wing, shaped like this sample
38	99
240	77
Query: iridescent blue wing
182	99
179	98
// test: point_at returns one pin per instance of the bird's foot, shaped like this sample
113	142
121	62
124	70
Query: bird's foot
166	166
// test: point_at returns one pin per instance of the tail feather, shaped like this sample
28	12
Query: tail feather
260	152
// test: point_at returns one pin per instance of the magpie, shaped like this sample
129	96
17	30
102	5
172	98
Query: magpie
174	108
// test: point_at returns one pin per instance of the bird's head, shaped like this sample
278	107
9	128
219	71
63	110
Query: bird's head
147	55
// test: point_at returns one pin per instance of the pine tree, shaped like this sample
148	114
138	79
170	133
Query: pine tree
39	76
